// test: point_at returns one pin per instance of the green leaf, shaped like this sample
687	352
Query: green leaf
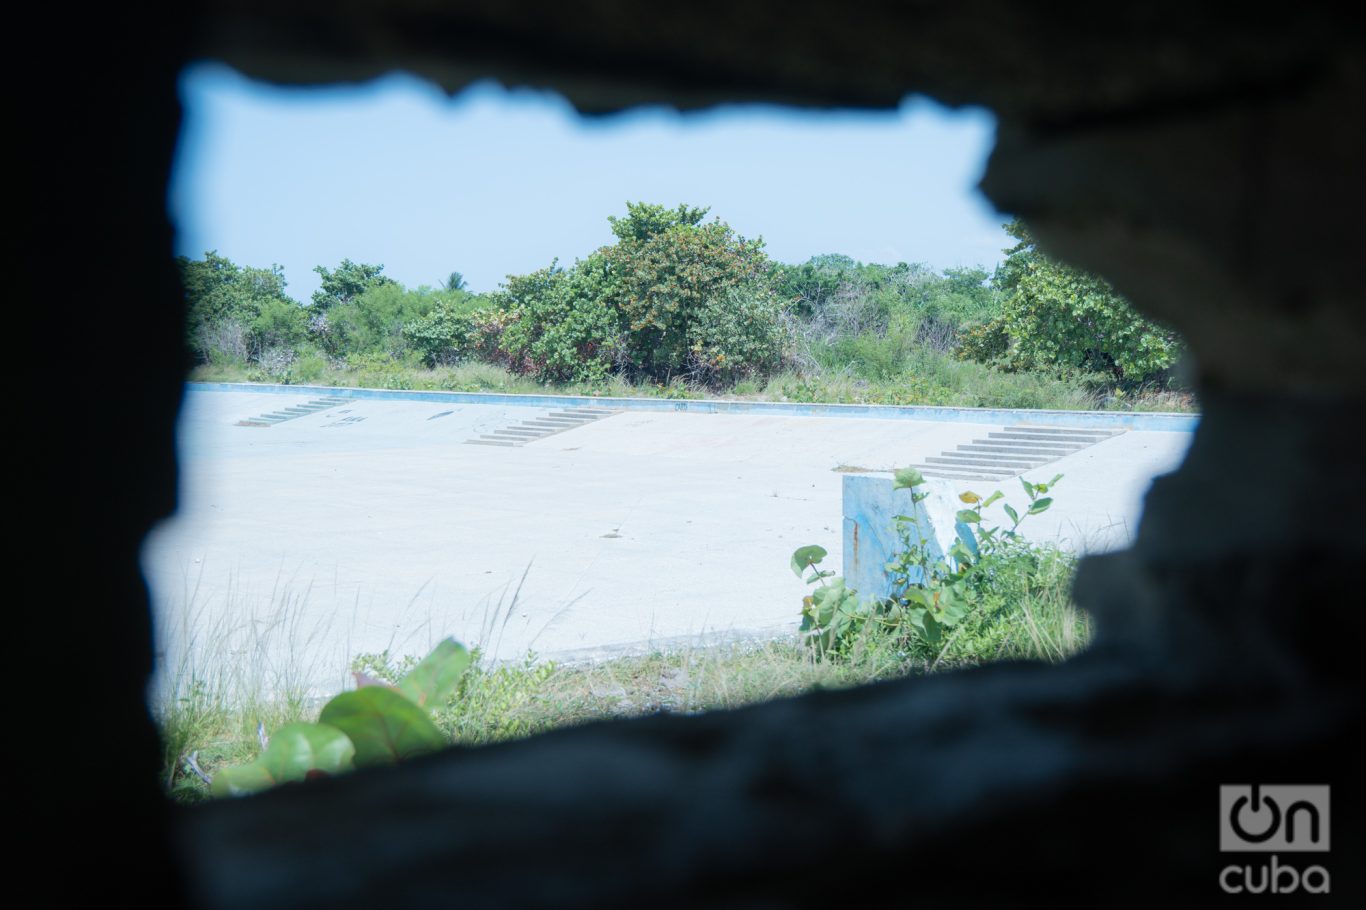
384	726
431	682
805	557
953	612
968	516
826	601
1040	505
1028	487
918	597
296	752
992	498
907	477
929	627
1014	516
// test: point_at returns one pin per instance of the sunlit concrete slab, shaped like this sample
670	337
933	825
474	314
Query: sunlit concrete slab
373	525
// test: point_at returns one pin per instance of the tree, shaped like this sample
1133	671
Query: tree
1058	316
672	297
455	282
349	281
645	220
672	276
565	326
237	311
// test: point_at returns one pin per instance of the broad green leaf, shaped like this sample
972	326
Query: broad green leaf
953	613
384	726
805	557
1028	487
1040	505
918	597
968	516
296	752
431	682
929	627
826	600
1014	516
907	477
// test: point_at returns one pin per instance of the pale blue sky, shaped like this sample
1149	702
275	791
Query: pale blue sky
496	182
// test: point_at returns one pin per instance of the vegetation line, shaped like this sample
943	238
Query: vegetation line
682	308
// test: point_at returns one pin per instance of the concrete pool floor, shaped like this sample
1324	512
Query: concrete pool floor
372	525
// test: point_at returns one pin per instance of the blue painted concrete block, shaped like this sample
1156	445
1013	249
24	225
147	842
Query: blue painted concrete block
870	536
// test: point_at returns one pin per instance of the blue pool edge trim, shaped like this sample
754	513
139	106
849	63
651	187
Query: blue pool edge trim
1151	421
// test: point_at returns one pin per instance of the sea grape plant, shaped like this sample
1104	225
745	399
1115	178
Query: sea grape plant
931	593
374	724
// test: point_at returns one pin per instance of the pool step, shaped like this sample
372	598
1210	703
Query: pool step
271	418
532	429
1011	451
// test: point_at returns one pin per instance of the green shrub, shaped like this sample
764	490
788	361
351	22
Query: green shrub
311	366
347	282
446	334
373	321
278	324
375	370
1060	317
741	334
235	313
566	328
936	597
671	279
872	356
672	299
986	342
381	722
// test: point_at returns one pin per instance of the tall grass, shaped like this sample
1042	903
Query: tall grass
896	368
224	683
229	665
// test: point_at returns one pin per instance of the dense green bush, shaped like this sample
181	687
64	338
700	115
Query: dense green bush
675	283
986	342
235	312
683	307
347	282
740	334
853	298
936	596
449	332
378	319
672	298
1060	317
566	326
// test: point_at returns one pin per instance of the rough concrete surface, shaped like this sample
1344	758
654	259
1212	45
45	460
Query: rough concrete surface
338	535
